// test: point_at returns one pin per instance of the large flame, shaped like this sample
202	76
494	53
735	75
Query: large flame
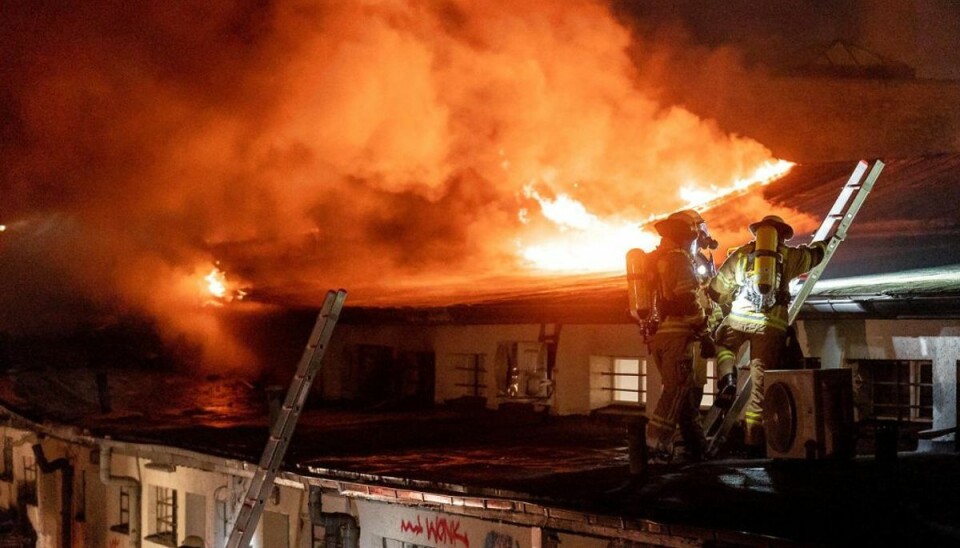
584	242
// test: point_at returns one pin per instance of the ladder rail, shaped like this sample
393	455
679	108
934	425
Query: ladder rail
841	233
838	205
281	431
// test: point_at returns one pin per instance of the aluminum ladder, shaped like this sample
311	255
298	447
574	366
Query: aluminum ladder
251	506
833	230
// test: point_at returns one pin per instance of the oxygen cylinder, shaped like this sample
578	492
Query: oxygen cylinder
639	286
765	262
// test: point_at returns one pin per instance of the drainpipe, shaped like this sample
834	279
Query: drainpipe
132	485
66	490
336	526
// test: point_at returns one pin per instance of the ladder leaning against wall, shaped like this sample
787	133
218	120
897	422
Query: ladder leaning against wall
251	506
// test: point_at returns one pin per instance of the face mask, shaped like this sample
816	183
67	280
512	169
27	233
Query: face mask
704	240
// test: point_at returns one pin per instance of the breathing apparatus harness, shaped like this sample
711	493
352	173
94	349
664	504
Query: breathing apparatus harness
761	270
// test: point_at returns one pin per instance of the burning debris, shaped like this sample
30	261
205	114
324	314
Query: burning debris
221	291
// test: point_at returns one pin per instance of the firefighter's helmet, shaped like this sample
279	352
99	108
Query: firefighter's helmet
681	223
783	229
678	223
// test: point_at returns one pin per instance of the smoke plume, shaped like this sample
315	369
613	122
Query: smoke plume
373	145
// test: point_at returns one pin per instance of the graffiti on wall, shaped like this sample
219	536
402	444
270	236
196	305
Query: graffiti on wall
447	532
395	526
438	530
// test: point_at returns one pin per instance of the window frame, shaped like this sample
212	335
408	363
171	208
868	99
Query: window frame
165	509
474	373
642	381
912	410
7	473
123	512
27	488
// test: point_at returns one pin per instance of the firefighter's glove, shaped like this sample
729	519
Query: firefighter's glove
707	348
726	391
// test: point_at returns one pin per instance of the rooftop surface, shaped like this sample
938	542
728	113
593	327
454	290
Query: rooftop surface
566	462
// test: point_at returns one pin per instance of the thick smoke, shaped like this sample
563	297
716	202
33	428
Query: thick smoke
307	144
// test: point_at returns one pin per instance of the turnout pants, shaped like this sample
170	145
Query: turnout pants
673	354
766	348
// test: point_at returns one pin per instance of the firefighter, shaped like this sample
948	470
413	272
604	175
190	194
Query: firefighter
753	281
674	345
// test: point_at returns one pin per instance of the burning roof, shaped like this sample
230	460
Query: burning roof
405	150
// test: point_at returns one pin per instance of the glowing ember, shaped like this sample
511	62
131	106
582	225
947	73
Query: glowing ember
583	242
3	228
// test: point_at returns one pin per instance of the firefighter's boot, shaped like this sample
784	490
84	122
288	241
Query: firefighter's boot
726	391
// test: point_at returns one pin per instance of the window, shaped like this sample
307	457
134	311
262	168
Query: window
900	390
334	532
628	380
371	373
81	514
7	473
123	518
165	516
470	372
27	489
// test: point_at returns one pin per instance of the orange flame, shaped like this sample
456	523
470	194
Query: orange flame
219	289
583	242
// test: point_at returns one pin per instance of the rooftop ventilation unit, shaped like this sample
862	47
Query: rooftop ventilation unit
808	413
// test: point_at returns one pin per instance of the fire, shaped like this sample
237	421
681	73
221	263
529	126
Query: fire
584	242
220	290
216	283
701	198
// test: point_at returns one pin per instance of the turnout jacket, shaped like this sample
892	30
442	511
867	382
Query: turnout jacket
680	307
727	287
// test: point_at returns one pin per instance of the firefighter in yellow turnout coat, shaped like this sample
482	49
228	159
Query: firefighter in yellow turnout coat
673	346
753	281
